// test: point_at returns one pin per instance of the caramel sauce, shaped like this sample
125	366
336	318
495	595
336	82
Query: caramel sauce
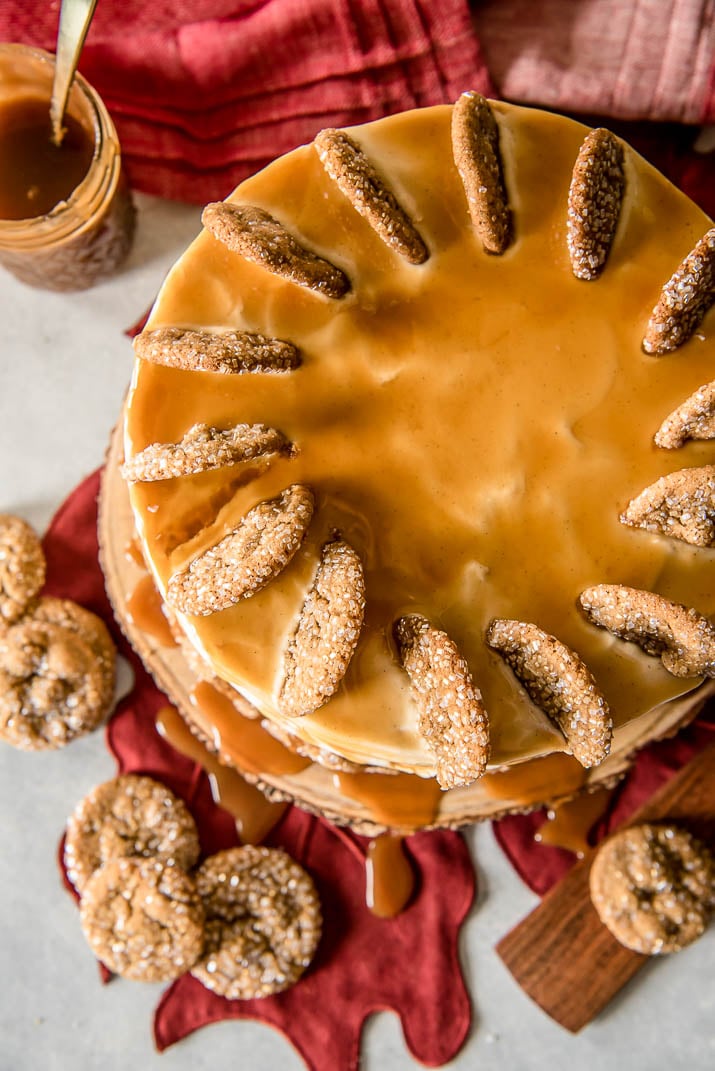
186	526
389	878
243	740
144	606
400	801
568	825
473	426
35	174
133	552
255	816
535	781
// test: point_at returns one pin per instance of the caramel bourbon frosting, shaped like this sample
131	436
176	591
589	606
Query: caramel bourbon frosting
417	441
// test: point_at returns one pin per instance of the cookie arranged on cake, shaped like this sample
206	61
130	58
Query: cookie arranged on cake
417	443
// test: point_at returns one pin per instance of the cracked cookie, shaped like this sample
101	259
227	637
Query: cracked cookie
653	886
263	922
129	815
57	669
22	567
143	919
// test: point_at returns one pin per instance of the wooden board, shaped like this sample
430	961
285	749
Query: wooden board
561	954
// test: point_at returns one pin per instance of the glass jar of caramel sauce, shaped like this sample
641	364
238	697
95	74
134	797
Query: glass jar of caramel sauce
66	214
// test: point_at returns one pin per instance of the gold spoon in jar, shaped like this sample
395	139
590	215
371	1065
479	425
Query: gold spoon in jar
75	17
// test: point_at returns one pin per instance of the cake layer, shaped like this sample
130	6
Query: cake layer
368	800
473	426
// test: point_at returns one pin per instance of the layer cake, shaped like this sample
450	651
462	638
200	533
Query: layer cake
436	378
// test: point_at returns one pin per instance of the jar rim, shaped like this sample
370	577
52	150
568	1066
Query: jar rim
61	218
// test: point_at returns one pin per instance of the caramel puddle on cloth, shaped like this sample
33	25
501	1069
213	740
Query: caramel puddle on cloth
144	606
569	824
389	878
396	800
255	816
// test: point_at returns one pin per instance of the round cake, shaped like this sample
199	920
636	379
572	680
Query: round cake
417	451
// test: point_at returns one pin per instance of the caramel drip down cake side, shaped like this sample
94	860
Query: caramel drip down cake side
369	414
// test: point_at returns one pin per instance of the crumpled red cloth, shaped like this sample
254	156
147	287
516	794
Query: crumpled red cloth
408	964
205	92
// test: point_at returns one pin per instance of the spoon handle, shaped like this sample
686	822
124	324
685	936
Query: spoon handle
75	17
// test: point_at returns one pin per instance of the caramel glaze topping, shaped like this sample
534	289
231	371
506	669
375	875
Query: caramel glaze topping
133	553
389	877
569	825
536	781
473	426
255	816
400	801
145	607
245	739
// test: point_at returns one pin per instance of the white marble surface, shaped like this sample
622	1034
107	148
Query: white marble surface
64	366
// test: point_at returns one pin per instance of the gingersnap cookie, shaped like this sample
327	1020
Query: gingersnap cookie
478	158
220	352
684	300
693	419
202	449
680	505
255	234
143	918
54	686
595	198
453	719
558	681
368	193
327	632
246	559
653	886
263	922
128	816
682	638
22	567
69	615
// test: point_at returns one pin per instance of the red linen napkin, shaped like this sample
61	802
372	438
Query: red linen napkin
408	964
204	92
